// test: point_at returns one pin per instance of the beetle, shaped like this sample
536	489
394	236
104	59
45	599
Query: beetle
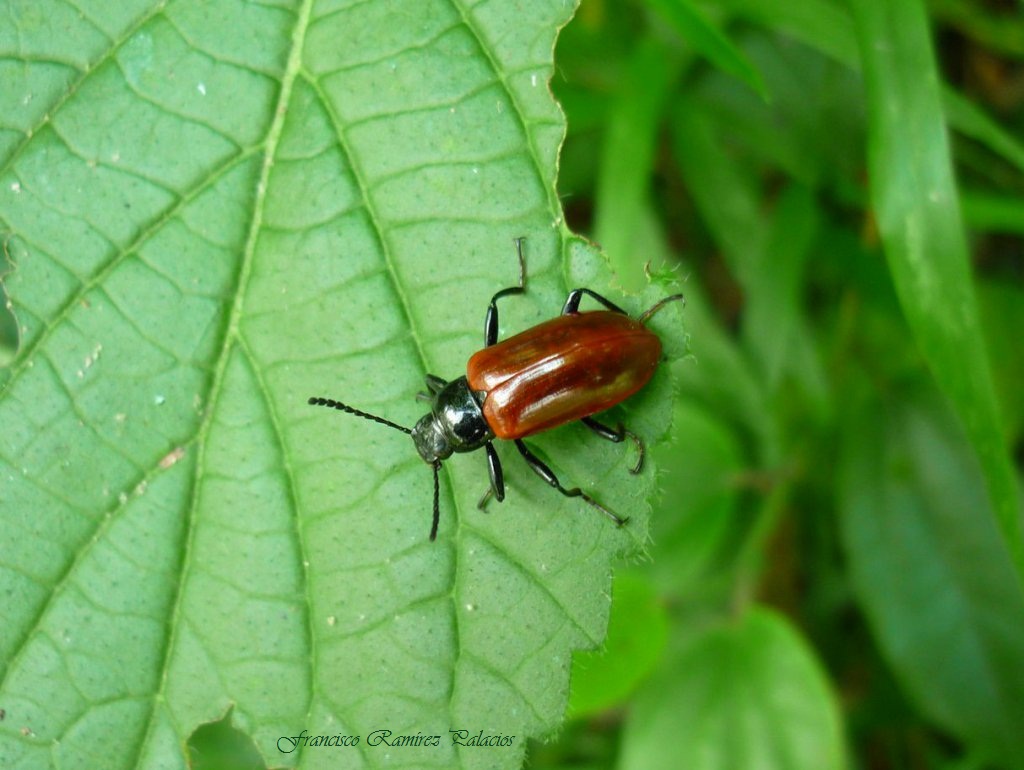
560	371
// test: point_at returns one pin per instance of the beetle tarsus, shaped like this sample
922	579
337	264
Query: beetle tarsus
491	319
495	472
616	435
484	499
641	453
646	315
435	384
542	470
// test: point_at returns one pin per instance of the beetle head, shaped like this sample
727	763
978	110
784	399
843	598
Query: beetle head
430	439
455	424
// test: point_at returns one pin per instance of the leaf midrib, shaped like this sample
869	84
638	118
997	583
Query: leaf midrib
233	337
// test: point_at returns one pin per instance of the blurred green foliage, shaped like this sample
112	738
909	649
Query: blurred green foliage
835	577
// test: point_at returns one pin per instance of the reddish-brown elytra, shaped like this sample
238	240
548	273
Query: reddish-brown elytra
562	370
557	372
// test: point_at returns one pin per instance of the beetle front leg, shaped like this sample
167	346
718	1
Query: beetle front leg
549	476
572	302
491	319
616	435
434	385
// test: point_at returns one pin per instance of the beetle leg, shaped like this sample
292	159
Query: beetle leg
549	476
484	499
659	305
572	302
616	435
434	386
491	320
494	468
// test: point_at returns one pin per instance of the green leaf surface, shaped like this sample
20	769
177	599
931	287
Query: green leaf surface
915	202
690	23
745	695
637	632
1002	309
721	379
696	510
813	127
929	568
724	193
993	213
628	155
829	28
216	211
774	326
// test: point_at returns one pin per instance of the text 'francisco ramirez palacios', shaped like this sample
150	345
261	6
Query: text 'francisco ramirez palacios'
288	744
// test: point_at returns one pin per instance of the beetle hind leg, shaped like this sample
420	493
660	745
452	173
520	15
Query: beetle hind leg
542	470
572	302
645	316
617	435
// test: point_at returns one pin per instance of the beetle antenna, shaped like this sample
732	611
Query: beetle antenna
437	501
331	403
646	315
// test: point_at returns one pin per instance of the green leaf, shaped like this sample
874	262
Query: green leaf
721	379
215	212
929	568
915	202
744	695
637	632
709	41
774	326
829	28
811	131
220	746
724	193
1002	310
972	121
821	24
699	498
993	213
628	155
1000	31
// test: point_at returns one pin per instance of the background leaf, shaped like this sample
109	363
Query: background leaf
754	682
804	335
928	563
919	220
216	211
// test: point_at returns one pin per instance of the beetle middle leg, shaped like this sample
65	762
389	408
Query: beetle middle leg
497	488
542	470
616	435
491	319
